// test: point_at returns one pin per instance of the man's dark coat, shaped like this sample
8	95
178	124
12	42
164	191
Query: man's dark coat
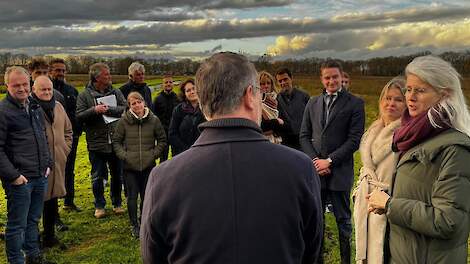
338	138
233	197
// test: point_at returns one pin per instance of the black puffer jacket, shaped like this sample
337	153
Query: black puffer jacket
98	134
141	88
183	130
138	142
23	143
163	107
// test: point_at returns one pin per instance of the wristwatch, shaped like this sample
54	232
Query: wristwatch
329	160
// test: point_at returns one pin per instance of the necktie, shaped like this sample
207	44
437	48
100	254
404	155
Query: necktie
331	98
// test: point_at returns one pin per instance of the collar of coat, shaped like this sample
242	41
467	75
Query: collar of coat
229	130
431	148
96	93
15	102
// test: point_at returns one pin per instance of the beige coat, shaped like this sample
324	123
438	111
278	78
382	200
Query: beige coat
59	139
379	164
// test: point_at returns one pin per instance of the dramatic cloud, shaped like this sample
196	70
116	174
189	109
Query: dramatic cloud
163	33
402	38
67	12
302	27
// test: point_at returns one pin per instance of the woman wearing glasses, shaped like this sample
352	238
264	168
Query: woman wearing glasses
428	210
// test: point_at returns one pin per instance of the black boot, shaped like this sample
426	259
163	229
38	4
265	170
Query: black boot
345	249
50	242
38	259
60	226
136	231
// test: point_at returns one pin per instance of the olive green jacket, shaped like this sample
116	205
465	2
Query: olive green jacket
429	209
138	142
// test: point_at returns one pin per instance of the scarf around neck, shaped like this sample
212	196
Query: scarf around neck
188	108
47	107
415	130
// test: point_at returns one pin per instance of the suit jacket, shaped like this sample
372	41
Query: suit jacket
291	108
338	138
233	197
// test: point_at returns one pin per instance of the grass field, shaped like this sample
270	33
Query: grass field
109	240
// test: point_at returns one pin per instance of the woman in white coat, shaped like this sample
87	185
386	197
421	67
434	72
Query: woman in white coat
379	164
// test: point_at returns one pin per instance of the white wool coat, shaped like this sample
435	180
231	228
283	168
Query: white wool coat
379	164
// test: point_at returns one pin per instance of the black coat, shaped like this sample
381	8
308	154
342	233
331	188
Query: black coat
233	197
23	143
163	107
70	95
338	139
143	89
183	130
291	109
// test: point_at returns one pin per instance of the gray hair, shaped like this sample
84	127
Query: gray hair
135	66
95	70
18	69
221	82
443	77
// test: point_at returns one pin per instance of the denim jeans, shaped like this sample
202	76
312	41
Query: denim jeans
24	208
99	171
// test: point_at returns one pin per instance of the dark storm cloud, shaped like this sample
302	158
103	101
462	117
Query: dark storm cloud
30	13
163	33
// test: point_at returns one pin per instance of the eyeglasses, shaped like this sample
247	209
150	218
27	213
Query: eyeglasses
418	90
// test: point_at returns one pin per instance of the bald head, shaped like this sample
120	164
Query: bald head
43	88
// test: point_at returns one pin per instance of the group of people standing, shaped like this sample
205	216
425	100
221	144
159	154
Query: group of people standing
229	195
39	138
257	202
130	132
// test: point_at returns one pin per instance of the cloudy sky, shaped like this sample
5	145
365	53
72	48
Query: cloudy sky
177	29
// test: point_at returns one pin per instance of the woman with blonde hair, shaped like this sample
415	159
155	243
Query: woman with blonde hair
271	124
139	140
378	166
428	210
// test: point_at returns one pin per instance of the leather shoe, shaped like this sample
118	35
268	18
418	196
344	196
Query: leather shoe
72	207
100	213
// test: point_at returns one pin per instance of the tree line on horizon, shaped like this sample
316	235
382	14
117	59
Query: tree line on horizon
383	66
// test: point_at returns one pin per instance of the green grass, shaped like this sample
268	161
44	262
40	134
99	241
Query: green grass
109	240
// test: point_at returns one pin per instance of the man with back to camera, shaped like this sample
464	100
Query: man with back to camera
332	127
291	106
163	106
25	163
233	197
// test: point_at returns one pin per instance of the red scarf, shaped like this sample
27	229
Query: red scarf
415	130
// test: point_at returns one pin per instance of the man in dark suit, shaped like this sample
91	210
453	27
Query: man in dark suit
291	106
233	197
332	127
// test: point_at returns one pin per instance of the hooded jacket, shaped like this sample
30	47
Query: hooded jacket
429	212
139	141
